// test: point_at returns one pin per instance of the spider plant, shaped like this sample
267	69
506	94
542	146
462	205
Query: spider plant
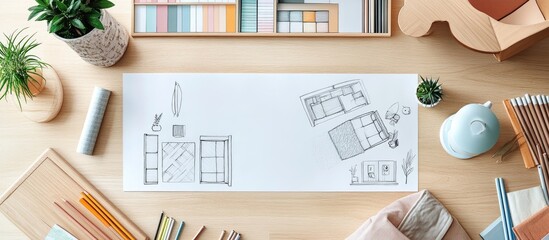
429	91
19	68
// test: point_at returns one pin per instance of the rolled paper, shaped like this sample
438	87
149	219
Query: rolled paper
96	110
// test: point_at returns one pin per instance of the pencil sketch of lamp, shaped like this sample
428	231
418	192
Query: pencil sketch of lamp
407	165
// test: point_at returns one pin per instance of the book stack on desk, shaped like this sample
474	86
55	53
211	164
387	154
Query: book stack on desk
524	215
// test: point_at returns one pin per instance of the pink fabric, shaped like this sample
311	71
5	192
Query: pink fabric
384	224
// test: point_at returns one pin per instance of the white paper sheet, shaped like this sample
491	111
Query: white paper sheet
270	132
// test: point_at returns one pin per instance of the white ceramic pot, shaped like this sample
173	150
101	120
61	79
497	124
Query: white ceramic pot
429	105
101	47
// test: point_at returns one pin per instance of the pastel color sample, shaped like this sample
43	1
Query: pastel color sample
162	18
151	19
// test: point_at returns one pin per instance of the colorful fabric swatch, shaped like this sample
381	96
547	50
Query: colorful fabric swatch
185	18
296	21
265	16
248	13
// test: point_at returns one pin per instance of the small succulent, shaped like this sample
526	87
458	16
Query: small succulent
429	91
18	67
70	18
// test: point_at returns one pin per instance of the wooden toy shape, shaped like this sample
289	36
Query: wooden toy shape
520	29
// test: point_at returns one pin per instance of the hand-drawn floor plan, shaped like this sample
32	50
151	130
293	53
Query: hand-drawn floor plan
270	132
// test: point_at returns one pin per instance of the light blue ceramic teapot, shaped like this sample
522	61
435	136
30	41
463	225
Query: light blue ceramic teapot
473	130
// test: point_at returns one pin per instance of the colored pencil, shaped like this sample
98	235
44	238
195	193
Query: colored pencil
95	213
502	209
159	223
86	220
525	129
222	235
543	185
74	221
538	128
109	215
231	234
170	228
104	216
237	237
163	229
199	232
179	230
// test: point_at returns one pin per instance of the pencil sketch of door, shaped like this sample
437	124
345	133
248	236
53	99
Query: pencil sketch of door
380	172
216	159
150	155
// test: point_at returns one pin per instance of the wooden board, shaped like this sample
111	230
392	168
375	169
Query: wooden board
29	202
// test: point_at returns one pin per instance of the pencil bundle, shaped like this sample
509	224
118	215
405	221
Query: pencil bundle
530	119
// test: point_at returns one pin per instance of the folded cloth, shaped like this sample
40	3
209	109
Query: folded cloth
416	216
535	227
524	203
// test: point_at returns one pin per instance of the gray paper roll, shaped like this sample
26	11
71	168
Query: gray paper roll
98	104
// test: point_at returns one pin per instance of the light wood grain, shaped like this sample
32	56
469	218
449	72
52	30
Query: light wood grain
46	105
471	27
30	202
466	187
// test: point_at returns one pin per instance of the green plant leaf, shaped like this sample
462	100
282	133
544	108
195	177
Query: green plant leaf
34	13
42	2
44	16
62	6
101	4
55	27
94	22
77	23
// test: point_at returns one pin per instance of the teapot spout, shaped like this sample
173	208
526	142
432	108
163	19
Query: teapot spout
487	104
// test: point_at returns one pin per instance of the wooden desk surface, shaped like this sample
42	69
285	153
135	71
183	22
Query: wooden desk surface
466	187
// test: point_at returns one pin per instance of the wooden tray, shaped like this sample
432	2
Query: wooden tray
29	202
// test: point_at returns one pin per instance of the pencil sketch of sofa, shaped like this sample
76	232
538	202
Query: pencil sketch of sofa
355	136
327	103
381	172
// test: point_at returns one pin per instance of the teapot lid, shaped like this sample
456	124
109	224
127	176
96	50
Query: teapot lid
474	129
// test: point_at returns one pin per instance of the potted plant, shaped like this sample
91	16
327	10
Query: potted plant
429	92
86	27
20	71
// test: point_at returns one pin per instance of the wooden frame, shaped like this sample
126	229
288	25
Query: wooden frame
29	202
240	34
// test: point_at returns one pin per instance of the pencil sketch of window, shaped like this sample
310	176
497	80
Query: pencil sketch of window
178	131
216	159
176	100
333	101
150	155
359	134
381	172
178	162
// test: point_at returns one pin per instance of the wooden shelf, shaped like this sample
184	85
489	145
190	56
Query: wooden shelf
259	34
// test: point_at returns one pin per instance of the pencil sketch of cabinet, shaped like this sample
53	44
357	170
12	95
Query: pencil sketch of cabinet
150	155
380	172
216	159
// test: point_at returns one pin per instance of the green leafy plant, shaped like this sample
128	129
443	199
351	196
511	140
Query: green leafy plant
429	91
19	68
70	18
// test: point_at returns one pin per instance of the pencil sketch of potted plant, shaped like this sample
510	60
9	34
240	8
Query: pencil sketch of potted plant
86	27
354	178
429	92
156	127
407	164
20	71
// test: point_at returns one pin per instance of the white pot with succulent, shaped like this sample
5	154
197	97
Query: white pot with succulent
429	92
86	27
23	76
